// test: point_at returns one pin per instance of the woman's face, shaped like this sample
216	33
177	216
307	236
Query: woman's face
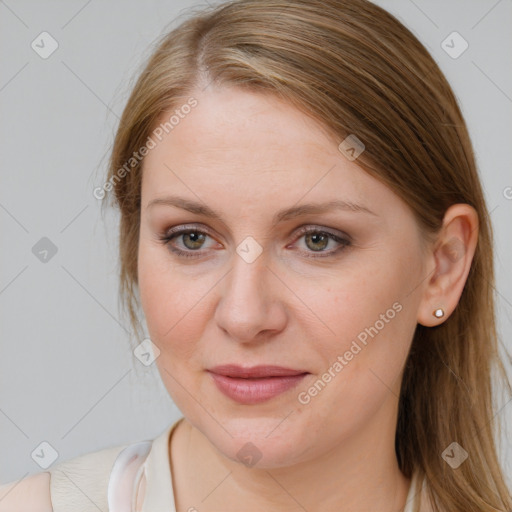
308	264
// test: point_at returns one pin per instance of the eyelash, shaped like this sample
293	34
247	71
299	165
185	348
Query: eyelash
168	236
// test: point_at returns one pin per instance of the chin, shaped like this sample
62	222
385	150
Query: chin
263	454
263	442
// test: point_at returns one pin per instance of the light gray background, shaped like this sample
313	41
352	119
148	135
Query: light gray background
66	369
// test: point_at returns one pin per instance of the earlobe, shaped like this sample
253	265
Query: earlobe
452	254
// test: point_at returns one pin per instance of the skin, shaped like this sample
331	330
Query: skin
248	156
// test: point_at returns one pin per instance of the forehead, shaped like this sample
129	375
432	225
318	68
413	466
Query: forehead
256	145
230	121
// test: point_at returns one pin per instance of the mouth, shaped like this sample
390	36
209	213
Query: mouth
257	384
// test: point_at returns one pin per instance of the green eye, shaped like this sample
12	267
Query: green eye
193	239
316	240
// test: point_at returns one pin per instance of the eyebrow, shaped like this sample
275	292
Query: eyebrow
286	214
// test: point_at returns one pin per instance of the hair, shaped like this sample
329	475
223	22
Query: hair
357	70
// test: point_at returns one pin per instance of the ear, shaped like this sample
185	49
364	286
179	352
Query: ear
451	255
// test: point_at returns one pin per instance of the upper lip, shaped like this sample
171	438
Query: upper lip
236	371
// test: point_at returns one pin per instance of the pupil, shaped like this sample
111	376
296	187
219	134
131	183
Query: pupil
318	238
196	240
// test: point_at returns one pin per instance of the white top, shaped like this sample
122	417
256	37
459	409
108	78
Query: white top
108	479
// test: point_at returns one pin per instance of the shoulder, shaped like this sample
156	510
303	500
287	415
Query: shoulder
31	494
75	484
81	483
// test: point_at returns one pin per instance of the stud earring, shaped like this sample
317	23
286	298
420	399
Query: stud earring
438	313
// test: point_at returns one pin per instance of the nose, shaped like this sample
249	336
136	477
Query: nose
251	309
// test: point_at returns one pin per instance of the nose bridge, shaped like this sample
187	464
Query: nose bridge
249	303
247	280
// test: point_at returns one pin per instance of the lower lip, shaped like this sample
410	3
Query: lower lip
255	391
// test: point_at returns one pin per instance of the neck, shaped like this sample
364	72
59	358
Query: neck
360	473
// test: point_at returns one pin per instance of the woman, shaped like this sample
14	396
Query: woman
303	225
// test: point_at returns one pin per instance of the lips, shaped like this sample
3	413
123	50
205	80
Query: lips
256	384
254	372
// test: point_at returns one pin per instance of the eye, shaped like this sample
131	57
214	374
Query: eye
316	240
192	239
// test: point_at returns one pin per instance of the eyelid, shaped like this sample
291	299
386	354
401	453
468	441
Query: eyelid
306	228
183	227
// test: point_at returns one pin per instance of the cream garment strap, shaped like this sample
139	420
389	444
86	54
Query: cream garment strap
125	477
417	487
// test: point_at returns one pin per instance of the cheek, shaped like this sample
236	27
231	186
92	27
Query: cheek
365	314
175	305
362	362
353	297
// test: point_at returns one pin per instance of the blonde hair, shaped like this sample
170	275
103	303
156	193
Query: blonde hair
355	68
